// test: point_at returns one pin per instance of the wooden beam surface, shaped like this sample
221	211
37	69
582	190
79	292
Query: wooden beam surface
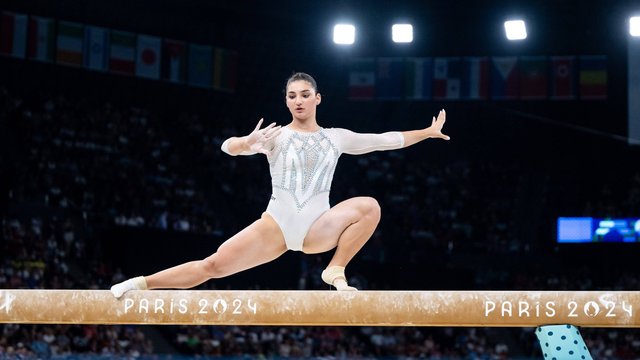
318	308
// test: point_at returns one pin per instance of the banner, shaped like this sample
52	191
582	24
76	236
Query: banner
225	63
446	78
200	69
475	78
148	57
70	43
122	54
504	78
418	78
593	77
534	72
41	39
563	78
13	35
389	79
362	79
96	43
174	64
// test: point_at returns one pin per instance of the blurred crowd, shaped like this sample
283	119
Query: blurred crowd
333	342
80	166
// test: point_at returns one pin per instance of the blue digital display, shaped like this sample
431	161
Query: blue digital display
589	230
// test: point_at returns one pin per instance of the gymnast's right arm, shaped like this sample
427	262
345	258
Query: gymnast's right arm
259	141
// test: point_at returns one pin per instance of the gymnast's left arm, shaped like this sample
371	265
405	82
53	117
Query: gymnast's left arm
356	144
433	131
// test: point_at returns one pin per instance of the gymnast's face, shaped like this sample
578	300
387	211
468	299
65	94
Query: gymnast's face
302	100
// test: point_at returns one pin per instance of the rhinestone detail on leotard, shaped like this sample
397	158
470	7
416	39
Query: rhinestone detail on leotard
303	165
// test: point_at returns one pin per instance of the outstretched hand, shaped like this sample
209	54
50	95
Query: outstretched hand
259	140
435	130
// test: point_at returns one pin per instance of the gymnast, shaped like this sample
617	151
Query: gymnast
302	158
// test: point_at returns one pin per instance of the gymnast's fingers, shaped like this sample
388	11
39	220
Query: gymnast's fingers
259	124
273	132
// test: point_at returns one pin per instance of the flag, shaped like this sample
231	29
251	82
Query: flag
475	78
593	77
534	72
225	65
418	78
200	61
13	35
70	38
362	79
122	54
96	43
504	77
633	91
389	78
174	65
148	57
563	77
41	40
446	78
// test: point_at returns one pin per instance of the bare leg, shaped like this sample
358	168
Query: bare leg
257	244
346	227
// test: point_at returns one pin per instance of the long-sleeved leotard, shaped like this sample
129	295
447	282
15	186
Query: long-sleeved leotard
302	166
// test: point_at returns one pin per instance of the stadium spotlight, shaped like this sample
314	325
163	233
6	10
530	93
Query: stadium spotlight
515	29
634	26
402	33
344	34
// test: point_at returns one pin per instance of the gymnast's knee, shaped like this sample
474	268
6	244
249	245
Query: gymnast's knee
211	267
371	208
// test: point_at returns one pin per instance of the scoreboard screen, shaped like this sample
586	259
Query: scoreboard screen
590	230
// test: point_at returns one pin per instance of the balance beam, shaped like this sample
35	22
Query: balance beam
319	308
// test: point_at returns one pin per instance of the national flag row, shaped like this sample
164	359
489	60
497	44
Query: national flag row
114	51
479	78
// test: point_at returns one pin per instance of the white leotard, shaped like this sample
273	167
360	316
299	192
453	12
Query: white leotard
302	166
